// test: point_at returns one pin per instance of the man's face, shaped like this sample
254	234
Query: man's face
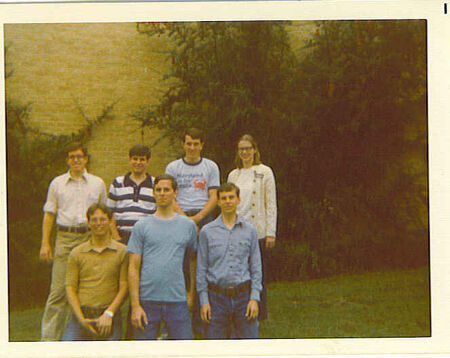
228	201
164	193
76	160
192	147
99	223
138	164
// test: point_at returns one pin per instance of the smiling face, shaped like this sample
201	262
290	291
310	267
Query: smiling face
138	164
228	201
99	222
76	160
164	193
246	152
192	148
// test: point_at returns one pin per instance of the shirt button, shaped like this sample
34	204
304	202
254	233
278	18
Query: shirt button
254	192
253	204
253	216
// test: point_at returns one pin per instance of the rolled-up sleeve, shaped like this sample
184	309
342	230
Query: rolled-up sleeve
202	267
51	204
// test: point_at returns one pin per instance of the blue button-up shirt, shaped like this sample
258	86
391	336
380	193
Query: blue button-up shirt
228	257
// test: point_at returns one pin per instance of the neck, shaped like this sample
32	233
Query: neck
247	163
100	241
138	177
76	174
164	213
229	219
192	160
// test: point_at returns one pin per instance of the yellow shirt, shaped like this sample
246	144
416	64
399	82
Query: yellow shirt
96	275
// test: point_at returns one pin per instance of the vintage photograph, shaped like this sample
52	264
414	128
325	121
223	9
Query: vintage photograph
321	124
216	180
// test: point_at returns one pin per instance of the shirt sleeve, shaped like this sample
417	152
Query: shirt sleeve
136	242
193	241
202	267
72	272
231	177
214	176
270	202
111	200
169	169
51	204
255	266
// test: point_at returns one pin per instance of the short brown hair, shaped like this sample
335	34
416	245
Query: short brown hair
73	146
194	133
167	177
98	206
228	187
140	149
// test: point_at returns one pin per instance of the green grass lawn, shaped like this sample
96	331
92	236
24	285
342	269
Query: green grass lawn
380	304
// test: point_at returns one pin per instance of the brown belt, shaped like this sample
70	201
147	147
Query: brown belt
75	229
230	291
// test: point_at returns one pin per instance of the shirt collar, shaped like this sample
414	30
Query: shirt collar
219	221
147	182
84	176
192	164
90	247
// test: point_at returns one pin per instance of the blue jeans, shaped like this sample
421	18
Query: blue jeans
229	313
174	314
75	332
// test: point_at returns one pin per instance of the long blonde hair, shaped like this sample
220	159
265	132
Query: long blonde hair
256	156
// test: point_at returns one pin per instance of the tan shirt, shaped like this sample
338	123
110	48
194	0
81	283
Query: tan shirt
69	198
96	275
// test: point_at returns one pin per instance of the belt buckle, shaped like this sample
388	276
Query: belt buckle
230	291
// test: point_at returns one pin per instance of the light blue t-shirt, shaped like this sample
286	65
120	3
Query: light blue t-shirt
162	244
194	181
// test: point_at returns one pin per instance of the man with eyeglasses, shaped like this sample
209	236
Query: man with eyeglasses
69	196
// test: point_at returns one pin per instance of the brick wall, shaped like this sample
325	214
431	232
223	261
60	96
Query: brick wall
58	67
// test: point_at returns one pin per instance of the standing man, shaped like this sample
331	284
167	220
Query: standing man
130	196
229	271
198	179
69	196
157	288
96	282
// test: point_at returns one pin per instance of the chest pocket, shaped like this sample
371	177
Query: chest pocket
216	248
243	250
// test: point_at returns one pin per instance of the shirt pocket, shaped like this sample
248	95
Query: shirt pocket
216	248
243	250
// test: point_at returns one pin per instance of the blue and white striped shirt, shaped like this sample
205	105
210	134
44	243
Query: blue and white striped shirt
130	202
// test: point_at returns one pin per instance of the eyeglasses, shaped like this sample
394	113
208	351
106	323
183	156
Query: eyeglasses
95	220
243	149
75	156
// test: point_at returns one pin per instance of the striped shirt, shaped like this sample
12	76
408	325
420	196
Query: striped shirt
130	202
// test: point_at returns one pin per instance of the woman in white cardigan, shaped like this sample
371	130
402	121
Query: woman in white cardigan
258	200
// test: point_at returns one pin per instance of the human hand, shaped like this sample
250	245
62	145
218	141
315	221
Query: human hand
138	317
88	324
104	325
46	253
252	310
270	242
205	313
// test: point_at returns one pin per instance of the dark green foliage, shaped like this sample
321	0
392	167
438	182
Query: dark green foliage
343	127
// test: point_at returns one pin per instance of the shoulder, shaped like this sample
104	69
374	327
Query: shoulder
59	179
118	181
264	169
210	163
184	220
78	249
233	173
119	246
94	178
173	164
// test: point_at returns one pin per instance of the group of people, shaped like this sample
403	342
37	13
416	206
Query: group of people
186	273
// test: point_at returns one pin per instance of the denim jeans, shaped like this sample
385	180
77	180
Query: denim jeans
229	313
75	332
174	314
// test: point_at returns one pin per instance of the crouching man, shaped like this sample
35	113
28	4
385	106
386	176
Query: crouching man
96	282
229	271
